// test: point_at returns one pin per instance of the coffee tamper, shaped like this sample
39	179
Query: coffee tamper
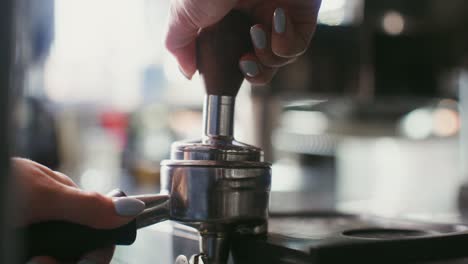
218	185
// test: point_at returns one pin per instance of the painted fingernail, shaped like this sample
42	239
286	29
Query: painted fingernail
116	193
184	73
86	261
279	20
258	37
249	68
181	259
126	206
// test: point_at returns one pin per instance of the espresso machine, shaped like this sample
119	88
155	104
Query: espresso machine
220	189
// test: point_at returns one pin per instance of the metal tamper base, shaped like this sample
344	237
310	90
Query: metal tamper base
217	185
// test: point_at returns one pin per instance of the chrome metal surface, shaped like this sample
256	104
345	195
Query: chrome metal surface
216	194
152	200
217	185
153	215
215	247
218	117
215	150
215	163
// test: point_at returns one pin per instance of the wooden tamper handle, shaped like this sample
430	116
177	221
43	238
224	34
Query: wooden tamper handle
219	48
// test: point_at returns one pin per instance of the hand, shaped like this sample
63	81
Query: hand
283	32
50	195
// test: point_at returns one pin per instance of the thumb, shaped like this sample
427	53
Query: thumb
186	18
96	210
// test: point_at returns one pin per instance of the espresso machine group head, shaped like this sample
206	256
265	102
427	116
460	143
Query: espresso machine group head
216	184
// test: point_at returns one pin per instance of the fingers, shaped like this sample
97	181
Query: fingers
261	40
289	40
95	210
254	71
283	33
185	56
278	41
32	166
53	196
180	37
64	179
42	260
186	17
101	256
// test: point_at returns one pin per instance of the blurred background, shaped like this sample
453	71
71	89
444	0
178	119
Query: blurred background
369	119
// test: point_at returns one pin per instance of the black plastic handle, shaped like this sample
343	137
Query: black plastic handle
68	241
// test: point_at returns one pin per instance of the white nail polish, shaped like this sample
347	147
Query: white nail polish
249	68
181	260
115	193
279	20
126	206
258	37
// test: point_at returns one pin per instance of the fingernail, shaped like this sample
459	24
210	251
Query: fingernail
258	37
279	20
249	68
184	73
181	259
116	193
86	261
128	206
